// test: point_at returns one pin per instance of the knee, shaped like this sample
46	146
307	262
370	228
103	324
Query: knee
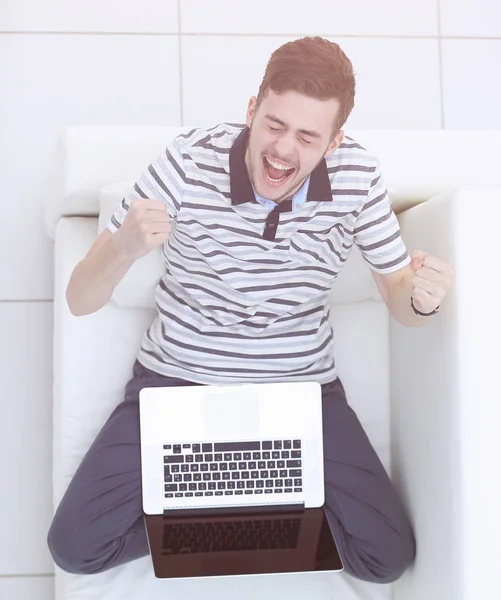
69	548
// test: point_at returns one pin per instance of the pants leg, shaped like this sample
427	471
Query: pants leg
369	523
98	523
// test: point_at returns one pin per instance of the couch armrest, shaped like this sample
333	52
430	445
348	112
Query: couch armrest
446	411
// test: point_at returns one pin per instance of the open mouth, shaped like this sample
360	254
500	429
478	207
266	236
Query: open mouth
276	173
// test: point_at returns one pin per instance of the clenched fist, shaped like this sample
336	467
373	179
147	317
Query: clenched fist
146	225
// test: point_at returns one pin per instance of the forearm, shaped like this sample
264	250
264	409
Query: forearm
399	304
95	277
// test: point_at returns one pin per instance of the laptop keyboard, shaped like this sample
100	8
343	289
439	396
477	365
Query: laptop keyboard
231	536
232	468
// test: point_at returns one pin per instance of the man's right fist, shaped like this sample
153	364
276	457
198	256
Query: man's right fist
146	225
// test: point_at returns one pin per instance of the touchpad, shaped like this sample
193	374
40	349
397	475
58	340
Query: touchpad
225	413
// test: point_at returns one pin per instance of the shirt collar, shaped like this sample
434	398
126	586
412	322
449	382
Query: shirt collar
319	189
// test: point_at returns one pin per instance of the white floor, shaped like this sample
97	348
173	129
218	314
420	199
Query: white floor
27	588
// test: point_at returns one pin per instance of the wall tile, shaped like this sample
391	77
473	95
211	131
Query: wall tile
139	16
49	82
26	437
397	80
472	18
321	17
27	588
472	90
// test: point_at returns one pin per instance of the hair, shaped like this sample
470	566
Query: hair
315	67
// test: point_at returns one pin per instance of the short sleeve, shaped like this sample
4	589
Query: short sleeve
377	232
163	180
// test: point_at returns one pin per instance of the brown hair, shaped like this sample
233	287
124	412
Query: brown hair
315	67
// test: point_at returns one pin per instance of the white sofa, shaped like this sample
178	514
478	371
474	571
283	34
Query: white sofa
427	397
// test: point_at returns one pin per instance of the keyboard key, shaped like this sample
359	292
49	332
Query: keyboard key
292	464
237	456
283	473
204	467
269	483
279	483
219	493
199	493
174	459
168	447
178	494
221	485
266	455
251	465
233	466
166	470
178	477
238	492
185	468
258	491
177	449
297	490
197	476
275	455
256	455
249	484
194	467
206	477
287	445
247	455
187	477
280	464
278	490
227	456
271	464
264	474
169	495
249	491
236	446
295	473
183	487
261	464
296	444
188	495
226	475
192	487
231	485
196	448
298	482
240	484
213	467
171	487
202	486
206	448
212	485
223	466
259	484
288	490
245	475
254	474
185	446
209	493
296	454
277	445
218	457
285	454
288	482
228	493
209	458
242	466
273	473
189	458
268	491
199	458
267	445
235	475
168	479
174	469
216	476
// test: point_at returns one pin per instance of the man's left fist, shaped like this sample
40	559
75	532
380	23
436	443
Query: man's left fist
432	280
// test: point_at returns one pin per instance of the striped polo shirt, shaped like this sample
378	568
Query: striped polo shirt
244	297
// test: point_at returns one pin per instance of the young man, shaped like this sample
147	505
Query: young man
255	224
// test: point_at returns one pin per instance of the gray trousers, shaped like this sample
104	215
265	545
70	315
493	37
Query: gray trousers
98	523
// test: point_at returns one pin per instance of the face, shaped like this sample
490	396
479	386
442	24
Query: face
290	134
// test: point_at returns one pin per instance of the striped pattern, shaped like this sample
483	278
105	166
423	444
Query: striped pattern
233	306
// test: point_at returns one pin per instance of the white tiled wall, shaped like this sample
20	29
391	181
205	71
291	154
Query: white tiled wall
420	64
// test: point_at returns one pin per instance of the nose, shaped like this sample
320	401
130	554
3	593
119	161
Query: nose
284	148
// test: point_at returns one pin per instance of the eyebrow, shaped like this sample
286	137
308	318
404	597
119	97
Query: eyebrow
313	134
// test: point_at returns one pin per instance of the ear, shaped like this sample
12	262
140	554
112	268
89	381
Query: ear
336	142
251	111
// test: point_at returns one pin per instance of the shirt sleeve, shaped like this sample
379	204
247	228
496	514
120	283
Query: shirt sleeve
163	180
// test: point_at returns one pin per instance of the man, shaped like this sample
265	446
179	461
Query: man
255	223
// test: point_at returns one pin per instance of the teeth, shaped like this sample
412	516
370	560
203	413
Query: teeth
278	165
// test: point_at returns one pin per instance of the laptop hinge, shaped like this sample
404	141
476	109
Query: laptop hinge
222	511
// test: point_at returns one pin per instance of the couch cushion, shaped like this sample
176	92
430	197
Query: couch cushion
354	284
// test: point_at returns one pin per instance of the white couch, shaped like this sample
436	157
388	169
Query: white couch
427	397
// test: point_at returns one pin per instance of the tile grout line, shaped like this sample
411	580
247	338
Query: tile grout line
440	67
180	60
27	576
266	35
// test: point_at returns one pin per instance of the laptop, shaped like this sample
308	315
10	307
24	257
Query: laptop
233	480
